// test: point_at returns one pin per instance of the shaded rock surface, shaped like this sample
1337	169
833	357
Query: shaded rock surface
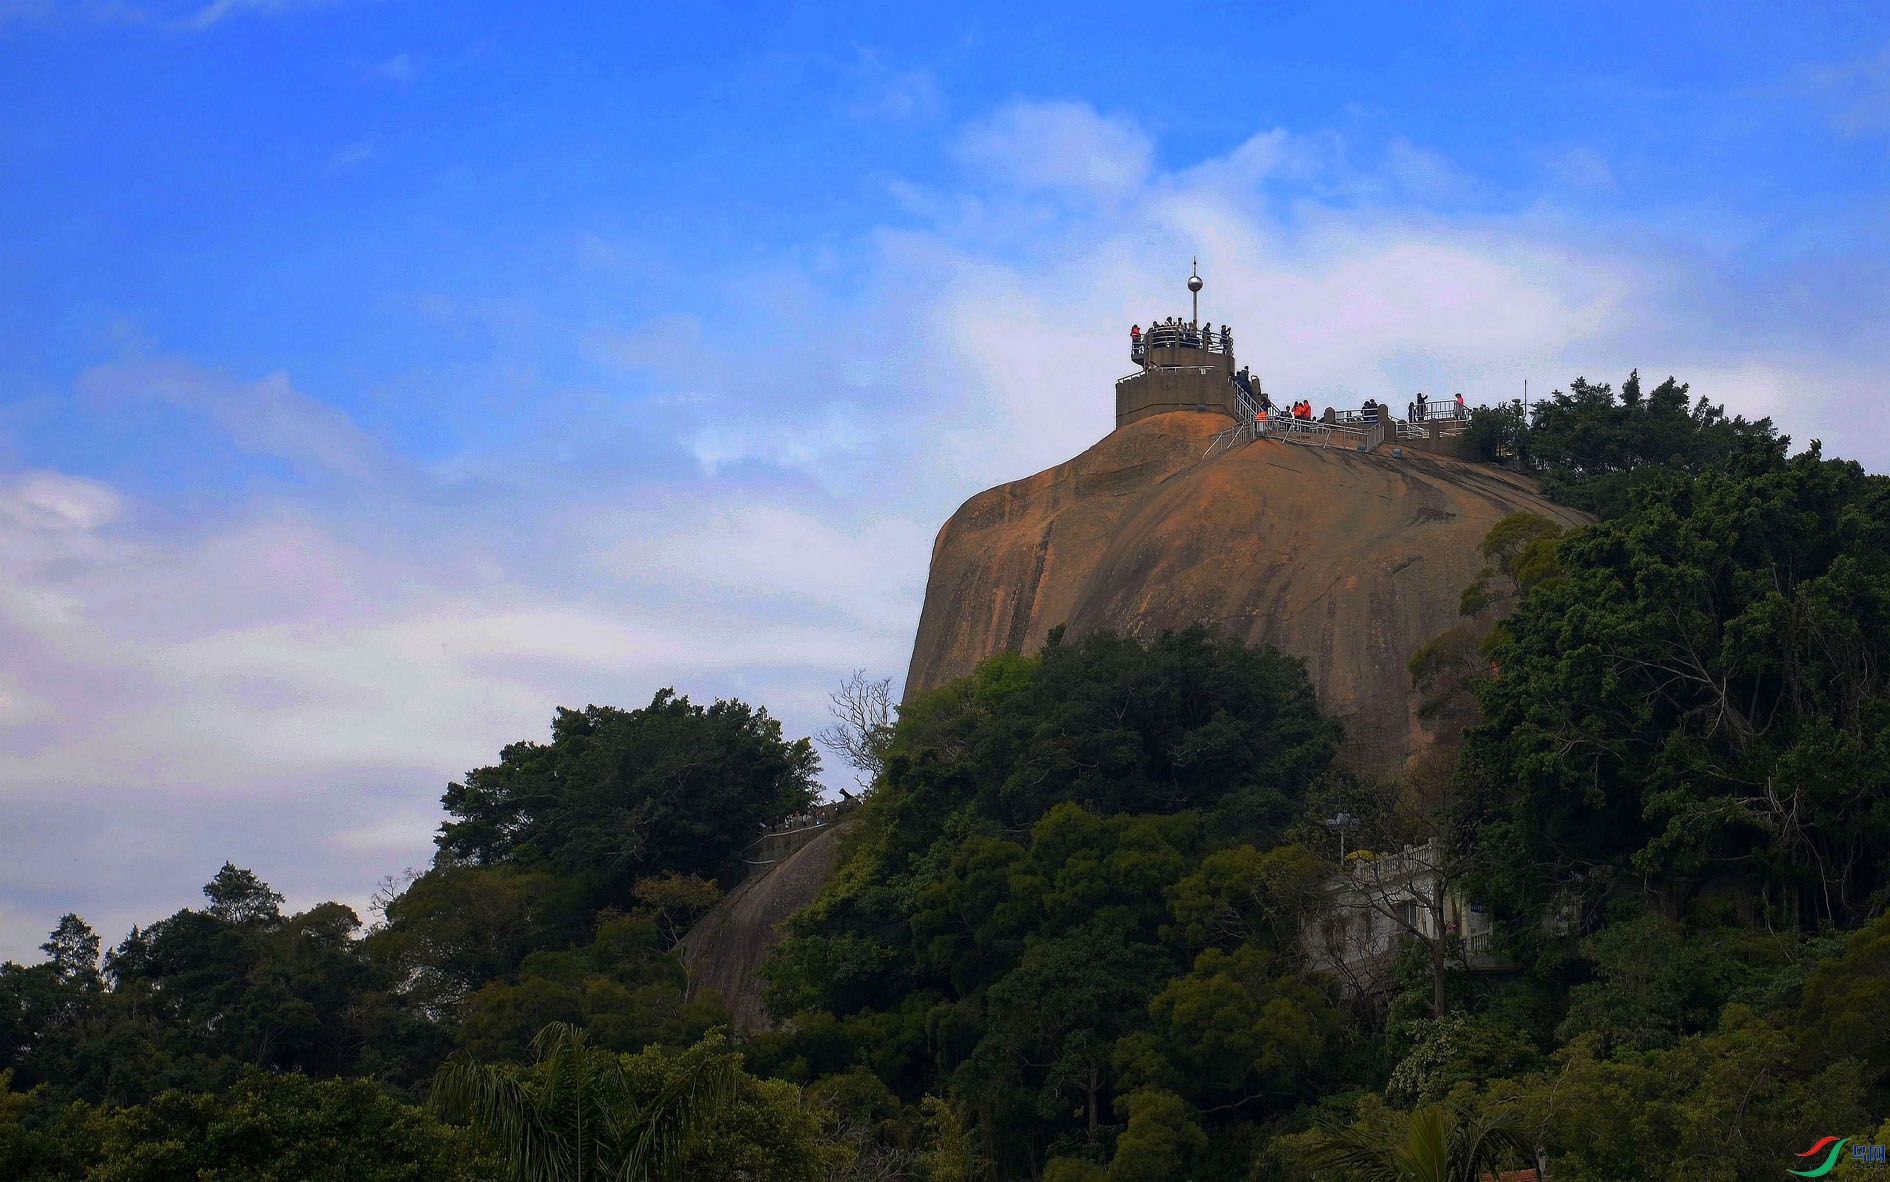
1347	560
724	951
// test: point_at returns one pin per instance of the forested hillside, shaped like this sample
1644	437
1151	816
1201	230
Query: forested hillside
1068	937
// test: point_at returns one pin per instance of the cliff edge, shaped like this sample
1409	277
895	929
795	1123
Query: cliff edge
1350	561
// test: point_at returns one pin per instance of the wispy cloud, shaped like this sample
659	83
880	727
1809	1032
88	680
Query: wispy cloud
878	91
1059	146
220	10
267	416
1857	93
402	67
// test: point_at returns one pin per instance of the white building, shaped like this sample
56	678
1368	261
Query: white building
1377	902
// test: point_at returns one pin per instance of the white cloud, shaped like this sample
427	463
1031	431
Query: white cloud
881	92
219	10
1857	92
400	68
264	417
1061	146
41	502
1581	168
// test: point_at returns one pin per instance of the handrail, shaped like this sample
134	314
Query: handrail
1180	336
1290	429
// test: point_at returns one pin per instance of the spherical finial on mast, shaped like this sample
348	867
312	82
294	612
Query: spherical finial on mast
1194	286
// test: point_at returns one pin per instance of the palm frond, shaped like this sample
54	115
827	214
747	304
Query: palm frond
504	1112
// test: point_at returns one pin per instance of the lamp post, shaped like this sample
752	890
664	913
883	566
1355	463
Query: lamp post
1342	824
1194	289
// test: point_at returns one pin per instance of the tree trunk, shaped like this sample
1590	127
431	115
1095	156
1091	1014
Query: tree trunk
1094	1084
1438	948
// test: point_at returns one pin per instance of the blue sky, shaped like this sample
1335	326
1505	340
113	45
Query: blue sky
376	376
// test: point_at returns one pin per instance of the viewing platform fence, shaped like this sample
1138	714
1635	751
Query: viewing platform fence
1442	410
1305	432
1180	336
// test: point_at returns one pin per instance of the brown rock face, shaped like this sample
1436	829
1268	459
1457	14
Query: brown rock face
724	951
1349	561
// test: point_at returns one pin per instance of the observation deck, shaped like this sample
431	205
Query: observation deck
1185	365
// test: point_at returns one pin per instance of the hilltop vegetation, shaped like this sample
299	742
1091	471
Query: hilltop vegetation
1066	938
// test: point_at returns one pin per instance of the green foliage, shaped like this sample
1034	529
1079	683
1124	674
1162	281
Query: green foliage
676	900
457	927
1735	1103
1159	1140
622	989
619	795
265	1128
1497	433
1596	451
1240	895
1438	1144
951	1155
1520	546
1236	1029
190	1001
1700	693
1190	721
579	1110
1072	1169
1845	1003
1050	851
1655	981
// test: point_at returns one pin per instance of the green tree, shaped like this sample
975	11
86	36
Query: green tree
1159	1140
1596	451
622	988
618	795
1697	694
676	901
268	1127
576	1111
1438	1144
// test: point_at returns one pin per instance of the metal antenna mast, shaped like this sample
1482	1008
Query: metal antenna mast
1194	287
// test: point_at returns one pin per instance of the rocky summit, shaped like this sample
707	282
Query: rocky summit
1348	560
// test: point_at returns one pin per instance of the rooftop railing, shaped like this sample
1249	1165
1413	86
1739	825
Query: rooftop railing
1180	336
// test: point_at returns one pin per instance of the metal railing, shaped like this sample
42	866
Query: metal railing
1287	429
1180	336
1432	410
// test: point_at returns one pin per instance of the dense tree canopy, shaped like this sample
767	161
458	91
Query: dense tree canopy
621	794
1700	691
1032	921
1593	449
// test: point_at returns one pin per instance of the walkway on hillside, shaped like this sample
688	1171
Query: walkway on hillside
1351	430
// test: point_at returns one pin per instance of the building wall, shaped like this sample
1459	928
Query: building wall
1207	388
1376	904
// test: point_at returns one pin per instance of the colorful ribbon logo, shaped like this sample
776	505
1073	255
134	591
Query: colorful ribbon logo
1830	1163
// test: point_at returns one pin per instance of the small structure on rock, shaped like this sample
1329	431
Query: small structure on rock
1186	365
